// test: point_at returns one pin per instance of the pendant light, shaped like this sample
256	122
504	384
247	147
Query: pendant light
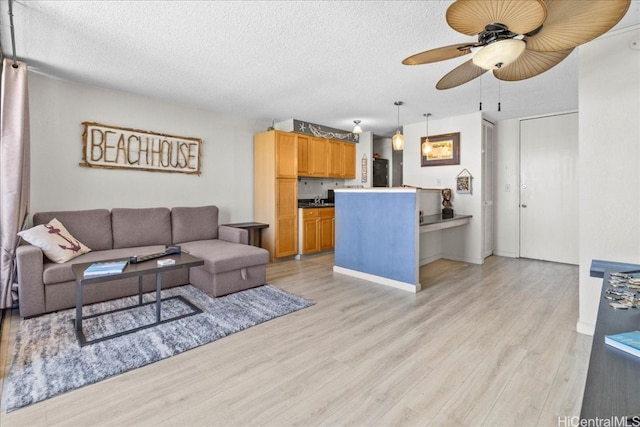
398	139
426	146
357	129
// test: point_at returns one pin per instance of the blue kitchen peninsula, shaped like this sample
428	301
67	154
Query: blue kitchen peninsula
378	232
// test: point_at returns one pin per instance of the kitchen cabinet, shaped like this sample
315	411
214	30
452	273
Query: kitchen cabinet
313	156
342	159
319	156
326	228
317	230
349	155
336	160
286	155
303	155
310	242
275	193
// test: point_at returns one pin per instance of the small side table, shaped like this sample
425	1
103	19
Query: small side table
254	228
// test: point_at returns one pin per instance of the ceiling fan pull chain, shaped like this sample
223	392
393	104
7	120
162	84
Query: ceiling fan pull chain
499	95
480	79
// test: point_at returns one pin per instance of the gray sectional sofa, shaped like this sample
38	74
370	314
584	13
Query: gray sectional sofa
230	264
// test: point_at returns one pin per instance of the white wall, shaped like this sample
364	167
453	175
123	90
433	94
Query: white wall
507	192
363	147
609	160
58	109
459	243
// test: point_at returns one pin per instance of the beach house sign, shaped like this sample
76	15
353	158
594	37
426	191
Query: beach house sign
123	148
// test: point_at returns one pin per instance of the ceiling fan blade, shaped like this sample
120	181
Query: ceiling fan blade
570	23
460	75
438	54
530	63
471	16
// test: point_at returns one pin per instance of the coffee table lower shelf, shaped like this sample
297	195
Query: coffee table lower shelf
82	339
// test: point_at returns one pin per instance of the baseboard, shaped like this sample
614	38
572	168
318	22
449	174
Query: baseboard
430	259
378	279
506	254
585	328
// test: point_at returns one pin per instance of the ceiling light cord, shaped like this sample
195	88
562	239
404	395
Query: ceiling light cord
480	80
426	145
397	142
13	36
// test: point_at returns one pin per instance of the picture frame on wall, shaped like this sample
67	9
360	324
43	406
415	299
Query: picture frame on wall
445	150
463	182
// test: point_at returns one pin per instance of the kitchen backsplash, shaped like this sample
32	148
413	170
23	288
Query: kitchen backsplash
309	188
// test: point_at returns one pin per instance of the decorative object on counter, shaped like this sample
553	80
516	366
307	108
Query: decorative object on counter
447	210
364	168
357	128
463	182
425	147
445	150
323	132
114	147
398	139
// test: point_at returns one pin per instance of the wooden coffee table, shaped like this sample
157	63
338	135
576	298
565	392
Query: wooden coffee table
182	260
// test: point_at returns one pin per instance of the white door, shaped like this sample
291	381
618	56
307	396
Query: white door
487	188
549	188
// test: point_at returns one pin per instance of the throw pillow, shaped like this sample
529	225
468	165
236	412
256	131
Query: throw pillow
55	241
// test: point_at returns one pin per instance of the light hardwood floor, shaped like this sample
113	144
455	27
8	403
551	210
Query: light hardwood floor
491	344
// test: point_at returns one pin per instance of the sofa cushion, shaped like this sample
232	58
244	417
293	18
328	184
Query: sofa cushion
194	223
91	227
140	227
220	256
55	241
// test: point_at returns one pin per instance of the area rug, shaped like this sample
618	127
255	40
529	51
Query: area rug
48	360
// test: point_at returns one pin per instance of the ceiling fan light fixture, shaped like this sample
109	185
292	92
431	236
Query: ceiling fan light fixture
357	129
498	54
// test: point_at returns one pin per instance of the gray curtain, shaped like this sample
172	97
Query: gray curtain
14	170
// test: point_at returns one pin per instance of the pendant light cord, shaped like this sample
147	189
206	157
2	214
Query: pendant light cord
13	36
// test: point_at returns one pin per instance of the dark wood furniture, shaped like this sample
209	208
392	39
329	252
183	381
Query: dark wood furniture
182	260
612	389
254	229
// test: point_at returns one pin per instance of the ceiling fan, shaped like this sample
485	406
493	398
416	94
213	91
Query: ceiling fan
519	39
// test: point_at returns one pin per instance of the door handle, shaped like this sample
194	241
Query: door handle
524	206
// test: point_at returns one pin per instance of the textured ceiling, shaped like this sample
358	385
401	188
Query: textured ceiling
327	62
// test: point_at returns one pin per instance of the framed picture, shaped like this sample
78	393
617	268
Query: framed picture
463	182
445	150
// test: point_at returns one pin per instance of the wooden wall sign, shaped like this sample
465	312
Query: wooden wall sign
123	148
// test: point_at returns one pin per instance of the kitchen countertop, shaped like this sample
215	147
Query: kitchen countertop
310	203
314	205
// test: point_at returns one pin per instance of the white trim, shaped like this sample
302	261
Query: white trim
378	279
585	328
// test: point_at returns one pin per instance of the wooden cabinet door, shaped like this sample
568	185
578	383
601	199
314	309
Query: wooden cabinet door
304	166
286	155
319	156
286	217
349	157
310	242
326	228
335	158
